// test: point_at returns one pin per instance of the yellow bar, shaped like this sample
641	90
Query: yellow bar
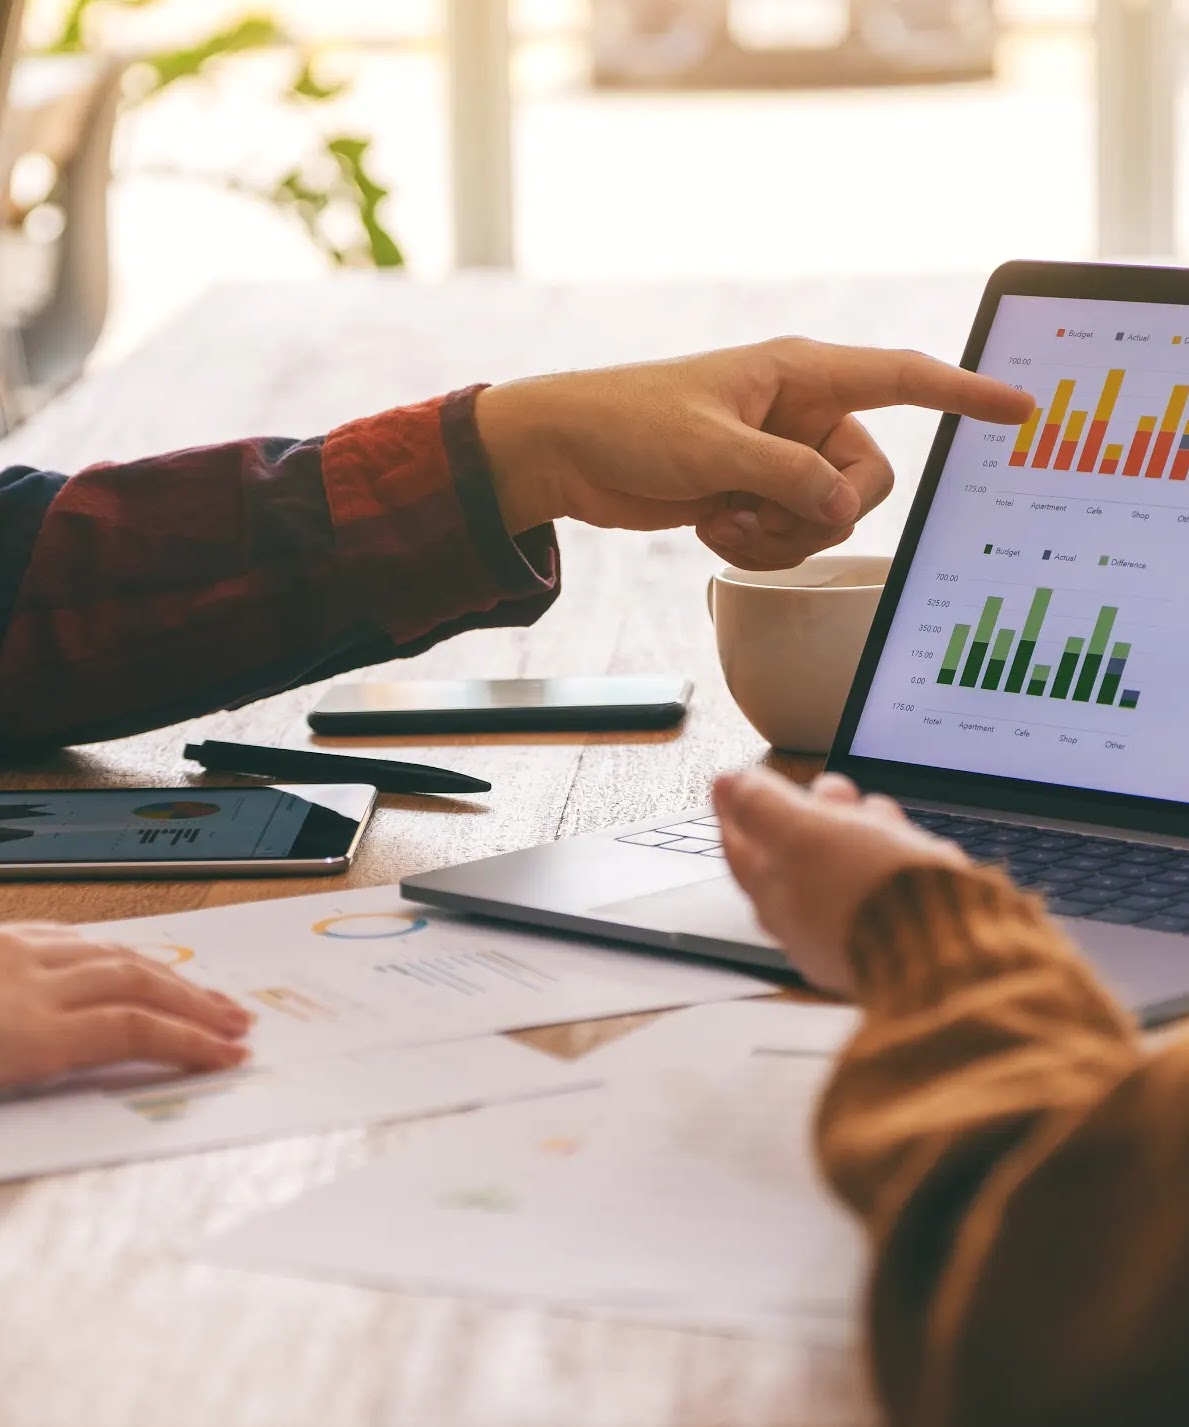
1060	405
1175	408
1114	453
1027	433
1147	423
1075	426
1110	394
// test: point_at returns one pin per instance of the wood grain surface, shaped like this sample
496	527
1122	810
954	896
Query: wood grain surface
103	1322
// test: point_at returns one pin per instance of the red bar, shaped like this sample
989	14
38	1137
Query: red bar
1065	455
1018	458
1048	439
1180	465
1163	446
1109	467
1135	457
1093	445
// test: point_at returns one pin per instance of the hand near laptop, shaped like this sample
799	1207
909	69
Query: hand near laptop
67	1002
756	447
809	859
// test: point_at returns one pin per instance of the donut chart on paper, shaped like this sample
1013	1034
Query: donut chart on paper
369	926
167	953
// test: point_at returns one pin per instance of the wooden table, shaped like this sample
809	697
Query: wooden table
102	1320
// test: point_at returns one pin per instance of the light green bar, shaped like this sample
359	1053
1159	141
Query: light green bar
953	650
1036	615
1003	639
1102	630
1120	651
986	621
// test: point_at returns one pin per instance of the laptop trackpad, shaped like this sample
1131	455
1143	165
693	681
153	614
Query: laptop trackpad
716	909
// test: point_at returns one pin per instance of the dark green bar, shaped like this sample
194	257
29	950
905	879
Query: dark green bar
982	638
1114	672
953	654
1040	677
1130	699
999	653
1065	670
1094	652
1086	678
1028	637
1019	667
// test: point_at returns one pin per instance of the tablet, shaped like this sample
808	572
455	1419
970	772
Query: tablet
181	832
1029	652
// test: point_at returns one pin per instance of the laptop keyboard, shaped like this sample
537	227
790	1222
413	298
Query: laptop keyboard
1100	878
700	837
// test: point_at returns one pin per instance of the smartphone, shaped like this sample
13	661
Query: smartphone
181	832
501	706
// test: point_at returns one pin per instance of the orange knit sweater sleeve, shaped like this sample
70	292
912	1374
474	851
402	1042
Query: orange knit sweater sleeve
1021	1163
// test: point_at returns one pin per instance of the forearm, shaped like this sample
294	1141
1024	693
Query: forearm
1021	1165
136	595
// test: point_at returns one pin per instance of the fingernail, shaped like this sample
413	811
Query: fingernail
232	1054
740	528
842	504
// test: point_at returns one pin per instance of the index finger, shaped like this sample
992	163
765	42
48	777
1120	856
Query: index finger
863	378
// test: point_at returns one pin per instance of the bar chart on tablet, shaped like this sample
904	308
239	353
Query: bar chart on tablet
1040	633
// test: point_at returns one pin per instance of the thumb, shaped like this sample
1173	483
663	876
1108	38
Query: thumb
793	476
765	807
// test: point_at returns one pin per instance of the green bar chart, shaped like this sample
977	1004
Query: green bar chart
1094	652
982	639
1031	632
953	653
1085	671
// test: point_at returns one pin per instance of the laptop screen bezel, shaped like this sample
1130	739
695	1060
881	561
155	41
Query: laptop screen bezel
917	782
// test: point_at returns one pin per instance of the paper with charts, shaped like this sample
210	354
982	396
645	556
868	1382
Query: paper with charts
343	971
683	1191
345	987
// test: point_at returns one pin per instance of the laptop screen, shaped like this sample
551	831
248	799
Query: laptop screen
1043	628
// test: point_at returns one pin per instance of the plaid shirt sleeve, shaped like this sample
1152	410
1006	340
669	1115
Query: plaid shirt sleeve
137	595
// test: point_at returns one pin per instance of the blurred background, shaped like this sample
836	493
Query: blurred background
153	147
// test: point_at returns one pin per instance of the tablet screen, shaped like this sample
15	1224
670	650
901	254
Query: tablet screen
154	825
1041	630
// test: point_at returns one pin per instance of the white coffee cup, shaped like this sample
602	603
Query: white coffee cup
789	642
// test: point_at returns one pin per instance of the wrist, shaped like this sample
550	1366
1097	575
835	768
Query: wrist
518	440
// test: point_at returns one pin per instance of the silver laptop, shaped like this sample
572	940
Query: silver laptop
1025	684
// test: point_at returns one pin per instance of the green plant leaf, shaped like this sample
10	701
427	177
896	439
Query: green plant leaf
351	153
307	85
254	32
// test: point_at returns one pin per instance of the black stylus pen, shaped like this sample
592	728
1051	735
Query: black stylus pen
302	765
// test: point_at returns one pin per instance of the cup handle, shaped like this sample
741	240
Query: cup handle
710	597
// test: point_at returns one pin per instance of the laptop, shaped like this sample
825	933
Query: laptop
1025	686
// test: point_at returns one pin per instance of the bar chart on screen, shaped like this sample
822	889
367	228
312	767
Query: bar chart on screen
1062	436
1040	631
992	657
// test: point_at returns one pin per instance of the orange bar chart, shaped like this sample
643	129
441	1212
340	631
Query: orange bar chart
1139	446
1102	415
1173	413
1069	442
1019	456
1110	461
1052	425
